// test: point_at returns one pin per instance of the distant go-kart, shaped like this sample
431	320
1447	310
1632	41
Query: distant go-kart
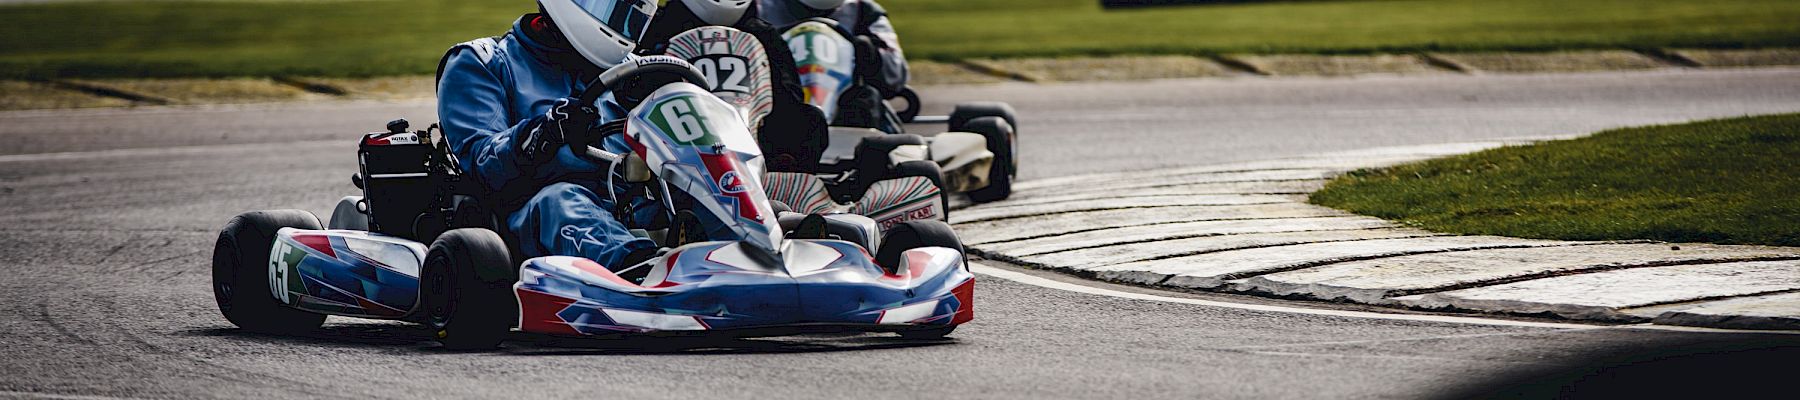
738	71
978	154
418	247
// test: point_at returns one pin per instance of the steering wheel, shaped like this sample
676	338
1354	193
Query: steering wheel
630	83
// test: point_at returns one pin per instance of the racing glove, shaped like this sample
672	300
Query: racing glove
869	66
568	121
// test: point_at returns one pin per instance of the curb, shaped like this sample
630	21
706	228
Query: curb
1249	246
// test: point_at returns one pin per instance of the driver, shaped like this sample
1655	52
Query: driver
793	135
879	60
508	110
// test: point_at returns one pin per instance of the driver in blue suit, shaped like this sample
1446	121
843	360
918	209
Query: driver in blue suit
508	112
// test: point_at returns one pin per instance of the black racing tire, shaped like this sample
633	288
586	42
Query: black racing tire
467	289
911	235
1000	140
240	269
928	170
927	334
965	112
872	161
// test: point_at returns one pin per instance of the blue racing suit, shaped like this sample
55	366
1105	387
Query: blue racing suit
493	89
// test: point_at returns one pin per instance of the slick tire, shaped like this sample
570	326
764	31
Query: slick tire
927	170
911	235
1000	140
467	289
965	112
240	273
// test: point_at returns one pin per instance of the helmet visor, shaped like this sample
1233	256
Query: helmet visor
628	18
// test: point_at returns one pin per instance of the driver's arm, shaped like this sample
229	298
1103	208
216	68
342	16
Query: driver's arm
887	42
472	108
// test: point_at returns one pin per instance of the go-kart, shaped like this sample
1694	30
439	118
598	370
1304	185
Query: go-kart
743	266
737	70
977	154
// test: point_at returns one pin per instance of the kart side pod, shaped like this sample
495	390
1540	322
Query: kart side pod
348	273
964	158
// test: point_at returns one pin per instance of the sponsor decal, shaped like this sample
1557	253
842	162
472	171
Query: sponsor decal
579	236
731	183
716	44
679	119
926	212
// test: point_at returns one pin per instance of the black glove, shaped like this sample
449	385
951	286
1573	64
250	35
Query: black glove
869	66
568	121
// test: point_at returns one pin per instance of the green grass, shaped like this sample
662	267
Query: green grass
1733	181
364	38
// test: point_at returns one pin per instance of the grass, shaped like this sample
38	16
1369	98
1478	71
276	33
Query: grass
1733	181
398	37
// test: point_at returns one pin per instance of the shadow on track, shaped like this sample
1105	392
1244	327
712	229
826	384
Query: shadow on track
415	337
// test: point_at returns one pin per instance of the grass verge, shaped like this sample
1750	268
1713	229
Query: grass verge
352	38
1729	181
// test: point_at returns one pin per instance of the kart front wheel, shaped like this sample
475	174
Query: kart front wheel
467	289
911	235
241	268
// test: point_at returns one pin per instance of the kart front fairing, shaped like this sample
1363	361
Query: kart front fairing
718	286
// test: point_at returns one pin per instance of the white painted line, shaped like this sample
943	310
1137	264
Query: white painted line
1034	280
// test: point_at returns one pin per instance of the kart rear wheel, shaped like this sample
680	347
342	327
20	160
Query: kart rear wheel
240	273
927	334
467	289
1000	141
965	112
911	235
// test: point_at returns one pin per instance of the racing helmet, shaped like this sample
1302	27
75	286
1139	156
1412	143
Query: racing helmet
603	31
822	5
718	12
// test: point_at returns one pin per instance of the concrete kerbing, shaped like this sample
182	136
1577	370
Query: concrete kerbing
109	91
1202	244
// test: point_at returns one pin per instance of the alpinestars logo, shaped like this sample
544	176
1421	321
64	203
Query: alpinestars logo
579	237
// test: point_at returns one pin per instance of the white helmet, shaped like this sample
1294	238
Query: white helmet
718	12
603	31
822	5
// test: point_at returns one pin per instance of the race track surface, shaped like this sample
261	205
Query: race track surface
107	218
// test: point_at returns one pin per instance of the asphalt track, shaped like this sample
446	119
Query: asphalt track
107	219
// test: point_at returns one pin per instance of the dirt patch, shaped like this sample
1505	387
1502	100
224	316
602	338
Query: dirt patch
17	95
1315	65
210	91
1743	58
385	88
1573	61
1114	68
926	73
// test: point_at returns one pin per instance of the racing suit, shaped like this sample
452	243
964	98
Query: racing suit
493	89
